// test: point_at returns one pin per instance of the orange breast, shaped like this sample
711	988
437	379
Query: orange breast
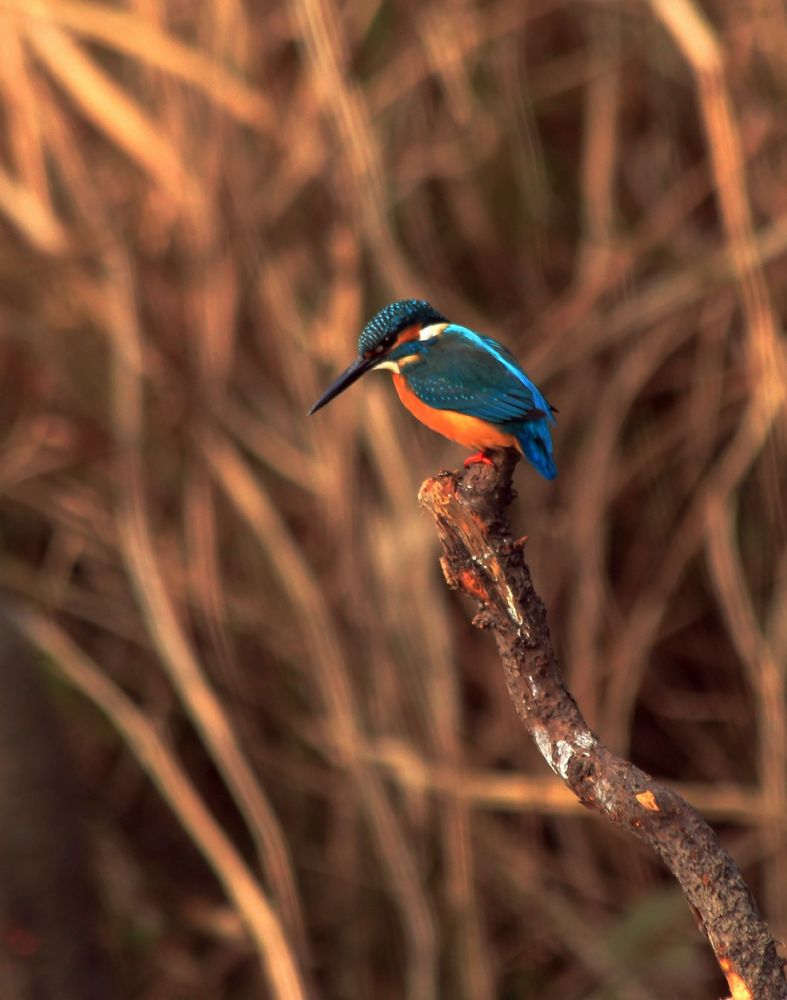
469	431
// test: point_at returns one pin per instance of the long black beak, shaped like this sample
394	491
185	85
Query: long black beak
345	380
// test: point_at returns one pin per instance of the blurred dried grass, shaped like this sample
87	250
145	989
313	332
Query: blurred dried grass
200	206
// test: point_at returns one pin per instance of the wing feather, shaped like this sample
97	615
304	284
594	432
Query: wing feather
471	374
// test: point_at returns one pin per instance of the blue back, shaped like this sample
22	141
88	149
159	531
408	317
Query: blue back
468	373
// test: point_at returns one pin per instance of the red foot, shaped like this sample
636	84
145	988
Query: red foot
480	456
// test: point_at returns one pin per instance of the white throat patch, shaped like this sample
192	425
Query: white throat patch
432	331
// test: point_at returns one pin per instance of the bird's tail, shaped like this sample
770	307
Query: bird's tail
536	444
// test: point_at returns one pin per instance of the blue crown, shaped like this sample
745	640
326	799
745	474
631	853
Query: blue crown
393	319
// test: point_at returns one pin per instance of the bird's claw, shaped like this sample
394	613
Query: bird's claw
480	456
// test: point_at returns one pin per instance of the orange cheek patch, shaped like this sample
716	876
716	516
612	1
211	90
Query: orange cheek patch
409	333
466	430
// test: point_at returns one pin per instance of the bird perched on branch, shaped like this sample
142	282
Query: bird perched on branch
459	383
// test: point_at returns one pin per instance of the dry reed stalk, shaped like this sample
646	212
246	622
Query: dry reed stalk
593	956
768	361
113	110
164	769
127	32
600	154
320	26
168	635
31	216
336	693
24	126
491	790
417	617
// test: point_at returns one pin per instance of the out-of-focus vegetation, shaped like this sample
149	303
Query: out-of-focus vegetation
200	206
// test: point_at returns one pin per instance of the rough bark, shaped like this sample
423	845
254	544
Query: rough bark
482	558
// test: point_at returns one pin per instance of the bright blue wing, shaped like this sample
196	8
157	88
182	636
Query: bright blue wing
468	373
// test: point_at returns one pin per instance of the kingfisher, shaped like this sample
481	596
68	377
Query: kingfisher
463	385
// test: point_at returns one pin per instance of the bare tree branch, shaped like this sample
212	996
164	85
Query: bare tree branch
481	558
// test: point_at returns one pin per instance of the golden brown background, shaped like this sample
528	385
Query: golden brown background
200	206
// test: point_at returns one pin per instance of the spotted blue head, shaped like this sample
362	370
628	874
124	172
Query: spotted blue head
379	337
384	329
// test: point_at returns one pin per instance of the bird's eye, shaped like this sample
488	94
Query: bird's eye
381	346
